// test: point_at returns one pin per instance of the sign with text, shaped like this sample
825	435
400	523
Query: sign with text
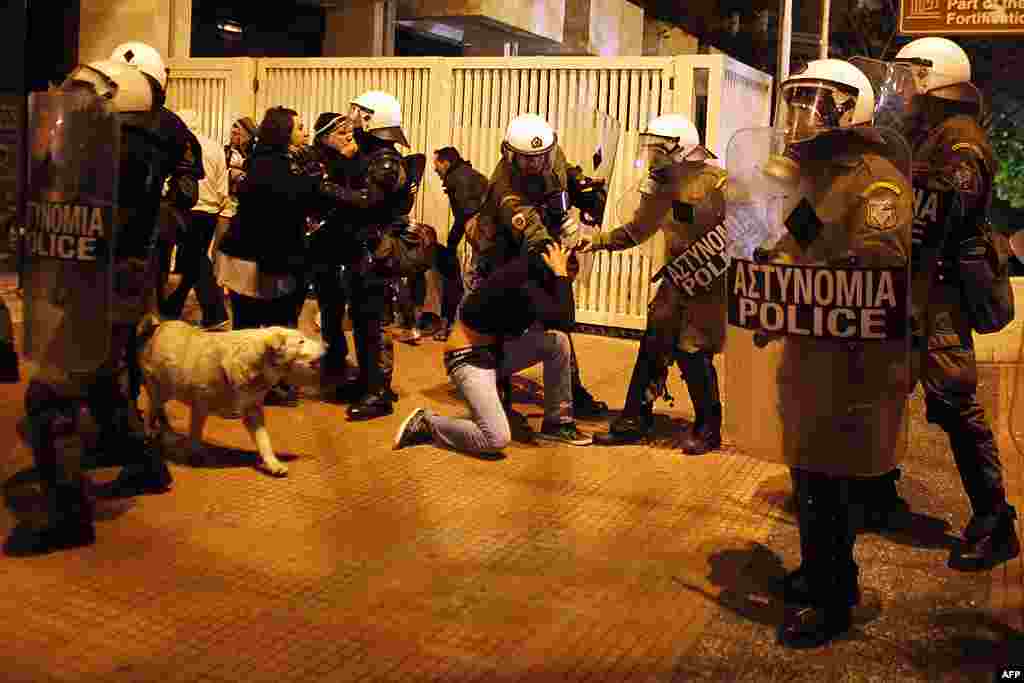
963	17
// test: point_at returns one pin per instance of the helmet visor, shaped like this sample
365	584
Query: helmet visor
895	87
359	116
532	164
655	150
814	107
94	79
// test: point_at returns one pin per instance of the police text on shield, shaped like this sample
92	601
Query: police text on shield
855	304
65	231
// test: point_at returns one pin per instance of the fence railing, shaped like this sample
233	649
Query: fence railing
467	102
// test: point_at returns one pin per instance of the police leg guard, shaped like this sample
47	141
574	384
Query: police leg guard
637	418
379	399
584	405
701	378
71	515
824	588
122	430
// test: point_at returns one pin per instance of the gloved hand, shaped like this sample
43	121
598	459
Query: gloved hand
570	233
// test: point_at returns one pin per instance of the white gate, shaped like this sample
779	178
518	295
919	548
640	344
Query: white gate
467	102
219	90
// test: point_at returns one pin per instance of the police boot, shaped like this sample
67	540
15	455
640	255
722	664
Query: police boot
884	508
373	405
988	540
148	475
822	589
70	526
702	381
630	427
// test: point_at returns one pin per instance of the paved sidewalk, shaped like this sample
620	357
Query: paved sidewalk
551	563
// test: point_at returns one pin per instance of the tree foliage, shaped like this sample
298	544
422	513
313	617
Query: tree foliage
1009	149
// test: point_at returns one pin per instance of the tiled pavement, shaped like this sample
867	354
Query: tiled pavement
552	563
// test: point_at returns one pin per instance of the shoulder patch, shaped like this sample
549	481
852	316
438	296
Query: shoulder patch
880	209
965	178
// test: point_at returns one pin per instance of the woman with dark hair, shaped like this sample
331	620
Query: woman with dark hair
266	242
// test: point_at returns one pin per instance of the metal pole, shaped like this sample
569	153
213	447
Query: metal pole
785	40
823	54
785	37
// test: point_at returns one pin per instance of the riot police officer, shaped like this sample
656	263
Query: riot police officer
819	215
378	192
156	148
955	291
527	206
683	196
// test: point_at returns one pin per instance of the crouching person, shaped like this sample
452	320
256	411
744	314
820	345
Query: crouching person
509	324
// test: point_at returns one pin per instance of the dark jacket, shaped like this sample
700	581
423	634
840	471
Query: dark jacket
335	242
269	227
518	294
466	188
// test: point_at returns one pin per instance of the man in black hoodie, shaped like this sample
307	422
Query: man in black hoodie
466	188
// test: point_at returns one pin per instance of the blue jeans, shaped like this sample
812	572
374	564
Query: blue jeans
487	430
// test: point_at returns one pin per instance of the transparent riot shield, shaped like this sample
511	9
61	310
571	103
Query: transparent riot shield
70	221
590	140
818	343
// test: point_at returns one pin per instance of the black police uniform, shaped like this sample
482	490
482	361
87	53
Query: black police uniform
374	199
954	169
156	146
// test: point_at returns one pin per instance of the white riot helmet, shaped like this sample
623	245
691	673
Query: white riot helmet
127	89
829	94
671	139
936	63
143	57
379	114
529	144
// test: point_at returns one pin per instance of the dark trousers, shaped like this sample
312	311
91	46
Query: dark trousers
451	271
197	271
827	535
950	380
250	312
121	428
366	299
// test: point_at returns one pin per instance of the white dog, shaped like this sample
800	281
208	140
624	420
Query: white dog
223	374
